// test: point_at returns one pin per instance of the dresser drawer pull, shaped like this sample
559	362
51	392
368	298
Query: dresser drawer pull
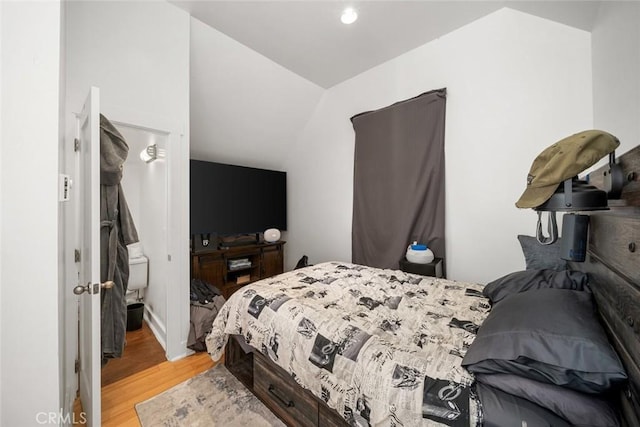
272	390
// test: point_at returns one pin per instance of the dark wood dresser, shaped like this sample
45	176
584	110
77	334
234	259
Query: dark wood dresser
217	267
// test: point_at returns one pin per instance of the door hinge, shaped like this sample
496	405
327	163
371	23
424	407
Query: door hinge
76	366
76	255
76	144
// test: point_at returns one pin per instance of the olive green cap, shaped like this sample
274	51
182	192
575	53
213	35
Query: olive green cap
563	160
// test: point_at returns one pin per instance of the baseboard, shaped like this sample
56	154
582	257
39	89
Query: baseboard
157	327
188	352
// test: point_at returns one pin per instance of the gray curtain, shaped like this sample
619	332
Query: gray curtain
398	193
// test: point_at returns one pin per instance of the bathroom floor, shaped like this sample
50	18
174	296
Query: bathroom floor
141	351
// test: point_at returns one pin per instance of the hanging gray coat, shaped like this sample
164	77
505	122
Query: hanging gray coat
117	230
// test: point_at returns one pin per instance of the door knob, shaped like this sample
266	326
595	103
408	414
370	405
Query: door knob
80	289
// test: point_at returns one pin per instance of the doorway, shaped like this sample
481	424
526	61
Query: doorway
145	186
162	220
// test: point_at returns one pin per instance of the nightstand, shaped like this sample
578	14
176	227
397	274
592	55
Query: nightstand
433	268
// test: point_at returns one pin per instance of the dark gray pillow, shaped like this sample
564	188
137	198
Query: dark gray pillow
522	281
500	409
541	257
580	409
548	335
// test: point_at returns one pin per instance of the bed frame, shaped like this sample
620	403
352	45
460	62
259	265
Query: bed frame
613	264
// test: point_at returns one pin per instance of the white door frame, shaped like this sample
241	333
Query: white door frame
178	242
177	157
88	228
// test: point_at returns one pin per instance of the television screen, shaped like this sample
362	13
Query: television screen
229	199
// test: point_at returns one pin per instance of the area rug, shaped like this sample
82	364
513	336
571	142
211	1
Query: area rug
212	398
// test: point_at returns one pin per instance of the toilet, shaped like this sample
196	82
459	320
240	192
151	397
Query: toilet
138	281
138	274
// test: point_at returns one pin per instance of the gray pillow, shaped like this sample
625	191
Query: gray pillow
522	281
500	409
541	257
580	409
548	335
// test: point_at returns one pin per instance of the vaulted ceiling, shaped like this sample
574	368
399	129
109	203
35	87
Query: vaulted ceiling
308	38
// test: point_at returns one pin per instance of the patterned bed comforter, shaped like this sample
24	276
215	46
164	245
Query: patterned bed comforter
382	347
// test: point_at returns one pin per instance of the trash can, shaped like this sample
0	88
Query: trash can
135	313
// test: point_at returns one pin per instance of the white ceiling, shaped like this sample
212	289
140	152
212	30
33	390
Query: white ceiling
308	38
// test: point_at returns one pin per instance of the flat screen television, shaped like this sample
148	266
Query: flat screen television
232	200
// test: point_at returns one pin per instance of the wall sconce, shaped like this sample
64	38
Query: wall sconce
575	195
149	154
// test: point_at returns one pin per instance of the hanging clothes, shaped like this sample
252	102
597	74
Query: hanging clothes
117	230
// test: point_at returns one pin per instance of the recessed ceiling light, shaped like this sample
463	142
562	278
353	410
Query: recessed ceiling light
349	16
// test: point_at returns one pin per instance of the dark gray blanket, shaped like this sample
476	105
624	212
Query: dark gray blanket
117	230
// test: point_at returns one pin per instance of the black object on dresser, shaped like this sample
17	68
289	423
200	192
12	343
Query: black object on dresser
434	268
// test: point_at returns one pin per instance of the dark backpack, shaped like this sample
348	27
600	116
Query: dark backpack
303	262
202	291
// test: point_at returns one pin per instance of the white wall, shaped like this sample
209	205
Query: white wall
516	84
245	108
1	181
137	53
30	35
616	71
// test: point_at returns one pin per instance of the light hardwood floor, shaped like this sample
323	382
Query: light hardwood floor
142	351
141	382
119	398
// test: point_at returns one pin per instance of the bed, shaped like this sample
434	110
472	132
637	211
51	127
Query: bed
335	324
342	344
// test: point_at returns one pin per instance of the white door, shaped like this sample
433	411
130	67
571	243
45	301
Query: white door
89	287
